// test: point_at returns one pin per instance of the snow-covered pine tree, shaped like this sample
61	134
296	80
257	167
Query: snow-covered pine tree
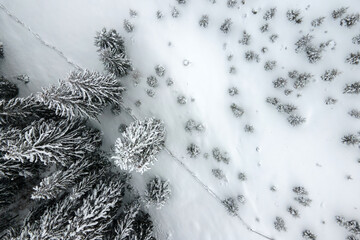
157	192
7	89
50	141
116	63
83	93
353	88
53	186
110	40
22	111
140	143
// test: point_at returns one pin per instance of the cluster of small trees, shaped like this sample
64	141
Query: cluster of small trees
51	164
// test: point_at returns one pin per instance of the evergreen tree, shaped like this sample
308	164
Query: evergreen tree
50	141
353	88
7	89
139	145
115	63
110	40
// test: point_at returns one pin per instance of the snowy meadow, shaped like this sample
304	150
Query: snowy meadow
180	119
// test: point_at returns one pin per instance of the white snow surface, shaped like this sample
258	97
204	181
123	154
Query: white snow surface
309	155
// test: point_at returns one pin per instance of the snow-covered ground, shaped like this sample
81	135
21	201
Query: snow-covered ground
275	154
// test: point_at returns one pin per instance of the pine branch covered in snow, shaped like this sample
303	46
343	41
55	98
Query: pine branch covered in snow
49	141
22	111
83	93
53	186
157	192
12	169
140	143
7	89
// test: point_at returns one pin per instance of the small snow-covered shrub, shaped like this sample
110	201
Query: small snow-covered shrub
302	80
116	63
279	224
220	156
350	20
249	128
150	92
111	40
23	78
295	120
293	212
226	26
181	100
192	125
181	1
294	16
354	113
169	82
133	13
157	192
231	3
273	37
330	101
317	22
152	81
338	13
353	58
140	143
245	40
272	100
175	12
350	139
269	14
303	200
264	28
128	26
353	88
356	39
299	190
330	75
269	65
219	174
287	92
280	82
352	226
231	206
160	70
252	56
307	234
204	21
242	176
233	91
159	14
313	54
237	110
286	108
303	42
241	199
193	150
232	70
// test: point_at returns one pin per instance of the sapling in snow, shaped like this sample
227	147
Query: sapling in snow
193	150
137	148
231	206
353	88
226	25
